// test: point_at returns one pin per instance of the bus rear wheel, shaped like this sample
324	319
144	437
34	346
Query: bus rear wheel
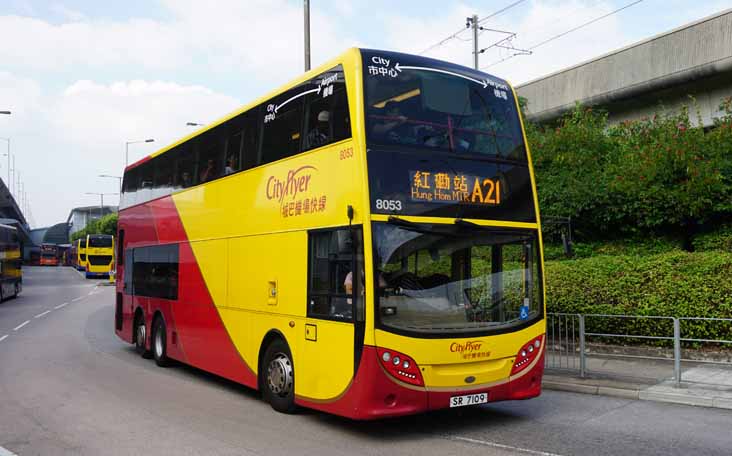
278	377
159	342
141	338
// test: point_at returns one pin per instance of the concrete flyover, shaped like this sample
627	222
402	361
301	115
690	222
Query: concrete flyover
659	73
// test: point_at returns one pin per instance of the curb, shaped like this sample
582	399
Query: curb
622	393
640	394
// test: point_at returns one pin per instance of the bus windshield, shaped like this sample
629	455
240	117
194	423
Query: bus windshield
100	241
426	104
448	279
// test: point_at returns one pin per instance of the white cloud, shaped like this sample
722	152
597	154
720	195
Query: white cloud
120	111
261	40
68	13
63	141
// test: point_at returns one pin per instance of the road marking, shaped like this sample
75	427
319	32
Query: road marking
20	326
2	339
61	305
76	299
6	452
42	314
501	446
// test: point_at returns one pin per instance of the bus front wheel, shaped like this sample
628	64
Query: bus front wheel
278	377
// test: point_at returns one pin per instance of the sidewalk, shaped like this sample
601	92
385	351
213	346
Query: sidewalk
652	380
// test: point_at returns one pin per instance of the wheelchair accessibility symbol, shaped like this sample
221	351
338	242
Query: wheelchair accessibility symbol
524	312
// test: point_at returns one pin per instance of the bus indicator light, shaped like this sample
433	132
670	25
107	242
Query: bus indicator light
527	354
401	367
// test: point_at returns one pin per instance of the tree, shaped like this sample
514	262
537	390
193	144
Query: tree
104	225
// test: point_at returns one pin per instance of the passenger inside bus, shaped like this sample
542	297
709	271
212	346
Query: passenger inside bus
391	123
320	132
209	173
230	166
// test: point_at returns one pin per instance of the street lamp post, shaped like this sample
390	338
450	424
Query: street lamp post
127	148
12	175
101	204
8	155
114	177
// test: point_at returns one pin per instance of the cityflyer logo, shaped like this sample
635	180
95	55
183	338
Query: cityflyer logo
470	350
469	346
294	194
297	181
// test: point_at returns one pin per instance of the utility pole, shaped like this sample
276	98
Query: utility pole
7	183
12	178
473	22
307	34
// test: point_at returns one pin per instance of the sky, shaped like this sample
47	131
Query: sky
82	77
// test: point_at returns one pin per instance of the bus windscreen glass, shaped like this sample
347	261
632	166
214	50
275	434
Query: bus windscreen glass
100	241
438	279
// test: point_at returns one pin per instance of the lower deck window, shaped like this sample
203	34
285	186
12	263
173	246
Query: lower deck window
154	271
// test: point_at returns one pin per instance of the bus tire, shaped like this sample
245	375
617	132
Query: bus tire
160	343
278	377
16	291
141	338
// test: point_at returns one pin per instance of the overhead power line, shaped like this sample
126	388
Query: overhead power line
556	37
500	11
574	29
456	34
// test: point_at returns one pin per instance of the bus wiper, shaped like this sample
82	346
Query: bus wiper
394	220
466	224
416	227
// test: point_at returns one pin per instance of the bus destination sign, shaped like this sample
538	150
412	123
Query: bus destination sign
445	187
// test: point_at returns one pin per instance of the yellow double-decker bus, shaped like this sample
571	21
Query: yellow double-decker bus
99	255
363	241
11	273
79	260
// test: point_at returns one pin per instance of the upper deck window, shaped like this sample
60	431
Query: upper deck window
422	103
313	114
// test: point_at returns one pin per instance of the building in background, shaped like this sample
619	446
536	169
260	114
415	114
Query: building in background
81	216
659	73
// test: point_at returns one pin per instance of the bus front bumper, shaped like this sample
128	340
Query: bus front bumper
375	394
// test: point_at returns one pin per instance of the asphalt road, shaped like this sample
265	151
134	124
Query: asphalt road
69	386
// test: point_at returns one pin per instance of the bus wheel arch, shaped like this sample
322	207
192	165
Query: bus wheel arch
159	340
276	373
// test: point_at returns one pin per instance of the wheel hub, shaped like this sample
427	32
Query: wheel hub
158	343
280	375
141	335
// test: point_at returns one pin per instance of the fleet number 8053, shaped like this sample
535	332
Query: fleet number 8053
388	205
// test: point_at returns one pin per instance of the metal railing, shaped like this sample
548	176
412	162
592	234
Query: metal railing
567	337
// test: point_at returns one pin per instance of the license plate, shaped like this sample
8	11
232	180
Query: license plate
468	399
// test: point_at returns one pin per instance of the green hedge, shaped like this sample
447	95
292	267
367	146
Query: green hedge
720	239
674	283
